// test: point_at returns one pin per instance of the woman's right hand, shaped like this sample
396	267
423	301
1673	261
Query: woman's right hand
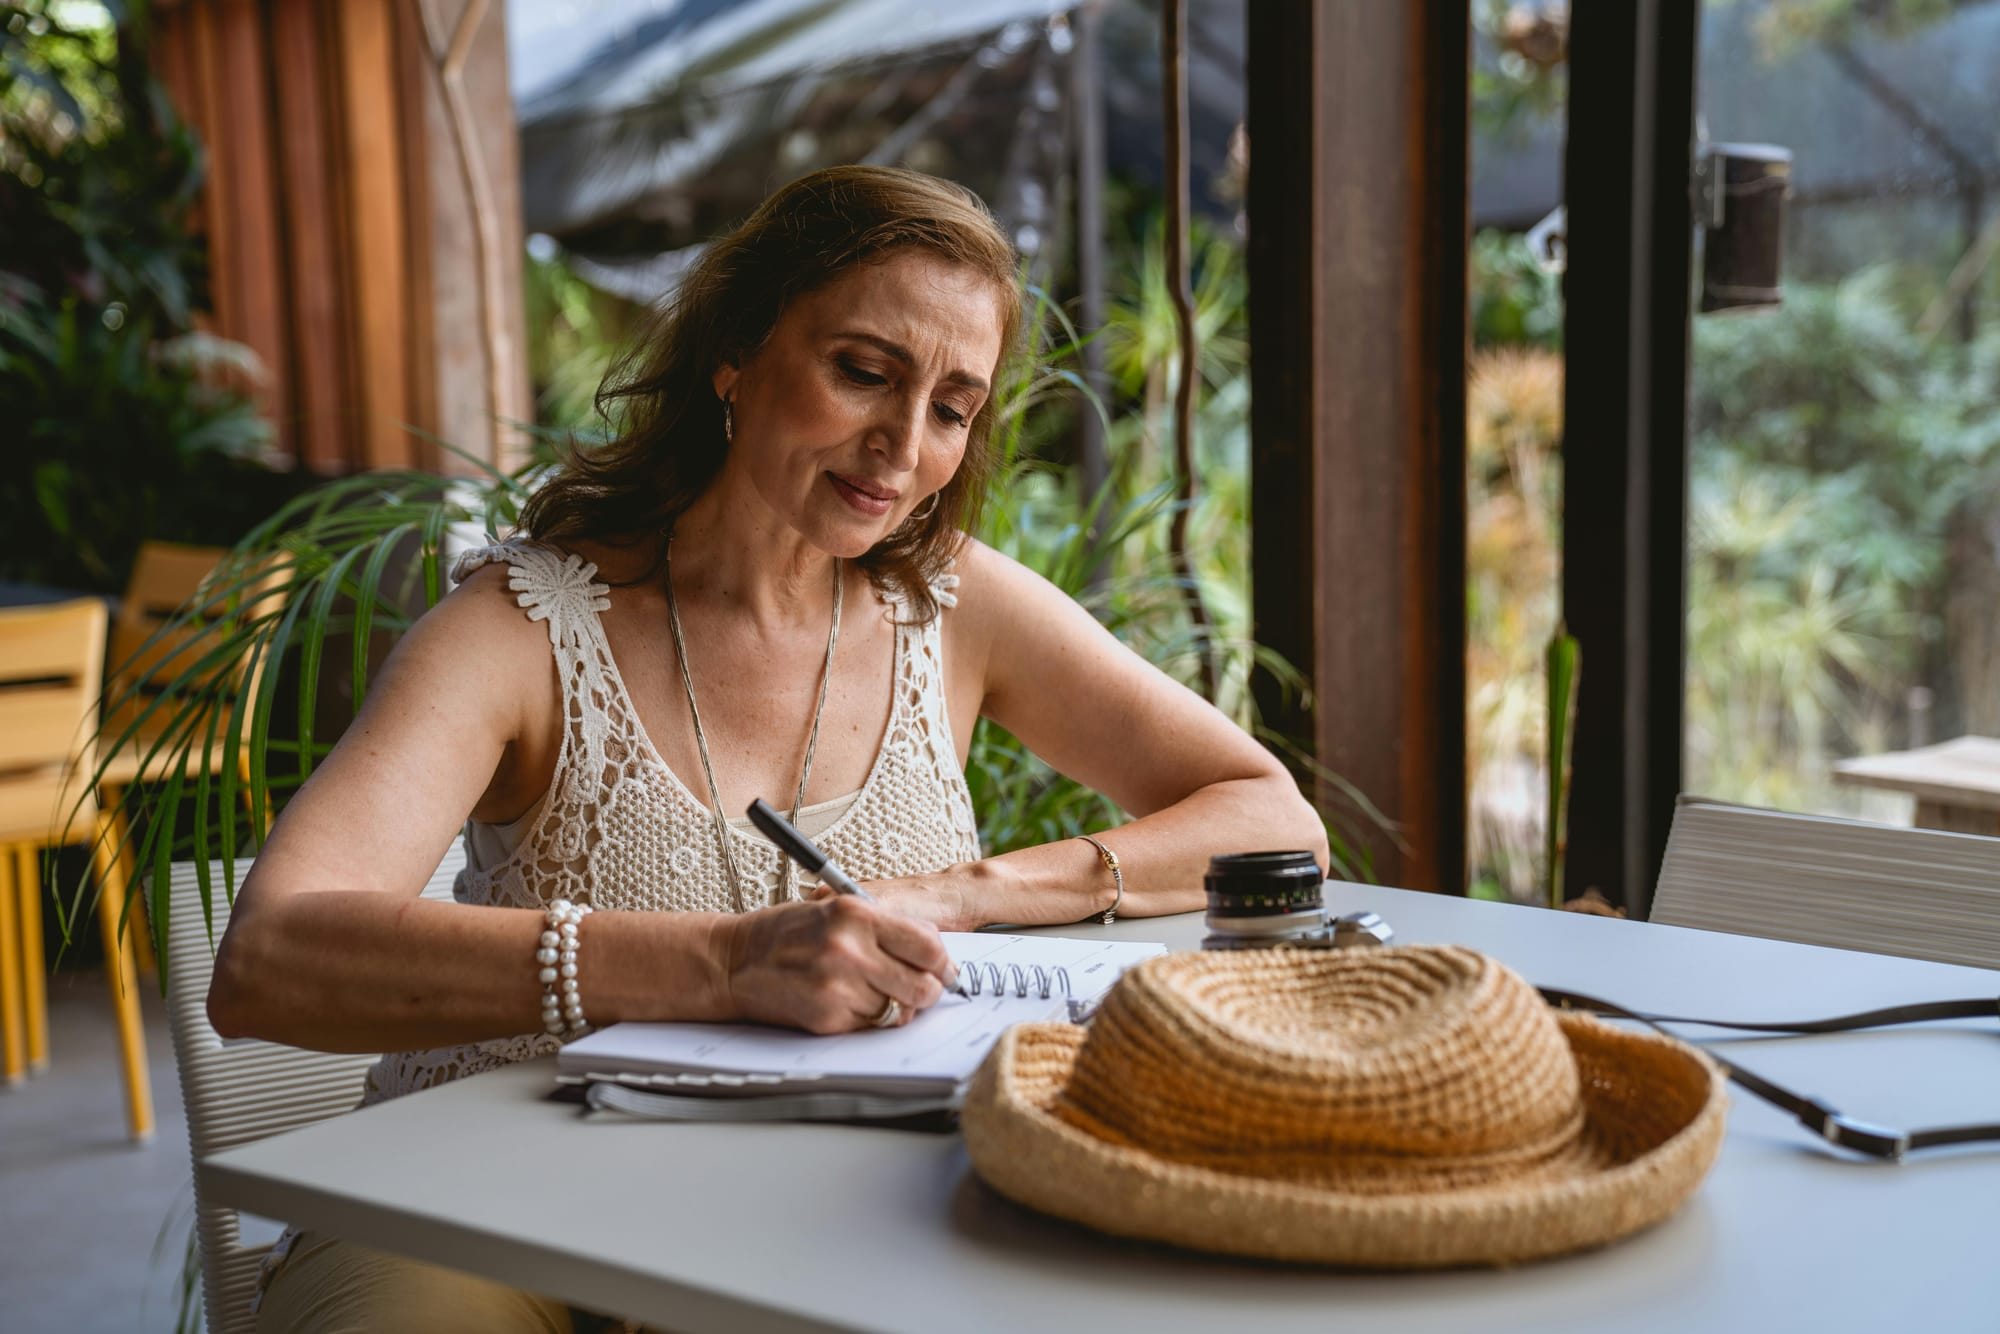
832	965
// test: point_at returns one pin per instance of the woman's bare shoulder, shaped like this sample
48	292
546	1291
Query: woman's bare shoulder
998	598
992	584
477	634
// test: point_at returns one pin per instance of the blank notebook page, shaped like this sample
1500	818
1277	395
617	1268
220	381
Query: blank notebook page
943	1045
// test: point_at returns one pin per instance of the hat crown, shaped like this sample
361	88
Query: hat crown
1386	1069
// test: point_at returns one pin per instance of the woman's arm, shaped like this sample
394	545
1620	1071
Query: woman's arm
1102	715
331	947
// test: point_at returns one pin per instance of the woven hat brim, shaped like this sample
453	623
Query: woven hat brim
1023	1149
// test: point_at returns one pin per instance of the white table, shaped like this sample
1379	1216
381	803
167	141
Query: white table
820	1227
1956	783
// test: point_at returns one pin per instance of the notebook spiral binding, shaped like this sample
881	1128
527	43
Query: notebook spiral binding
1031	980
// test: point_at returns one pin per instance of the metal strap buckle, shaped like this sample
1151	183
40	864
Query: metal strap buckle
1861	1136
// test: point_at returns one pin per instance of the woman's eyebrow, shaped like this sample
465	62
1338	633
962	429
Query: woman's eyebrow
904	355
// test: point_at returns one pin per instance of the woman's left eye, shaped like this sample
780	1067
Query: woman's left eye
951	414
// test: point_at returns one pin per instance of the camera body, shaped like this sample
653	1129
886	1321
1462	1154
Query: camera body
1272	900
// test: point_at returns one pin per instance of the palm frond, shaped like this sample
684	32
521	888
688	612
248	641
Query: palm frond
320	567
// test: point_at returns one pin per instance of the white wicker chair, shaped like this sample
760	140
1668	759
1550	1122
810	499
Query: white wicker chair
1886	889
239	1092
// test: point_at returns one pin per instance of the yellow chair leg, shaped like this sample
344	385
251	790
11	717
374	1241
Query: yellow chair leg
128	858
13	1008
34	962
123	976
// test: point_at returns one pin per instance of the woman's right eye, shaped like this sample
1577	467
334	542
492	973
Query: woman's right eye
860	376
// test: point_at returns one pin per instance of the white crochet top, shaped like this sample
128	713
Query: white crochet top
618	830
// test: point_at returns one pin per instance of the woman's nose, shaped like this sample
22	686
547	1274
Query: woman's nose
898	436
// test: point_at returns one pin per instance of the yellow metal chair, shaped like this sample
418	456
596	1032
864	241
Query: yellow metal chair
51	668
166	578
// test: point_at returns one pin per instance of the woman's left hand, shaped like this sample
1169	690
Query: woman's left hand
938	898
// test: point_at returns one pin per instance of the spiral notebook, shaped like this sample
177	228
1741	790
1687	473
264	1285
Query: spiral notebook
1004	980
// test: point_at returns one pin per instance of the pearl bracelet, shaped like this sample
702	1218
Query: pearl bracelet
562	1001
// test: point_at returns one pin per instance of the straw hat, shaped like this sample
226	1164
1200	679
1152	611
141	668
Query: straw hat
1404	1107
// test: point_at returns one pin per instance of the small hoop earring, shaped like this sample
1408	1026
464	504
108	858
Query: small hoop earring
919	514
728	421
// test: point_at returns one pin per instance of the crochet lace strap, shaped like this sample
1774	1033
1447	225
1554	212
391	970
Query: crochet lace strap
561	589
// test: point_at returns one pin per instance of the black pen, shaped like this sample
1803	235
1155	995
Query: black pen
807	854
803	851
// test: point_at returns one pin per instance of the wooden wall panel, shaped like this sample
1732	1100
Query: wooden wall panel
252	258
204	113
363	217
173	61
365	35
312	210
493	112
472	179
422	294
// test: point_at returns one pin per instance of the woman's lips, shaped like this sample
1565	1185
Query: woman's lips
867	500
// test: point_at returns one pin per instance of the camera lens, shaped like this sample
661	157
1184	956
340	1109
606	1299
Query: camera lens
1260	899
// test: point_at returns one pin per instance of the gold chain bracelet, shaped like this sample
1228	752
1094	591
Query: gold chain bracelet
1117	876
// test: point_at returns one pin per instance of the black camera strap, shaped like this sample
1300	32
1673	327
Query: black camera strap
1829	1124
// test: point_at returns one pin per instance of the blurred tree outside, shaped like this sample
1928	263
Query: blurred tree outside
574	333
1836	451
1514	400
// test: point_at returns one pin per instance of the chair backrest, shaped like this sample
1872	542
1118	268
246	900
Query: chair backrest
238	1092
166	576
1920	893
51	665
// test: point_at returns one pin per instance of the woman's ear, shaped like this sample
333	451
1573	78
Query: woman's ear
726	376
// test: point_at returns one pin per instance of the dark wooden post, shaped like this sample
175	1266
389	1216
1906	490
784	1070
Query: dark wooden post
1630	235
1358	227
1087	106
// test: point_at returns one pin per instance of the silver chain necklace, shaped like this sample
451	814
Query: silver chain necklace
722	830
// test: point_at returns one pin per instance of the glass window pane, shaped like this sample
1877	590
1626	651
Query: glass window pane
1844	533
1514	411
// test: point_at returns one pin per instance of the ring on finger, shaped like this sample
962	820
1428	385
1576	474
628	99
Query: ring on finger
892	1010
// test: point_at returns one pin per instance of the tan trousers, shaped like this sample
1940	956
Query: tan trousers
329	1286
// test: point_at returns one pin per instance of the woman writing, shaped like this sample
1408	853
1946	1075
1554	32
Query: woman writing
762	588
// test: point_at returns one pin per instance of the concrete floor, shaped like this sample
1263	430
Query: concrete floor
83	1210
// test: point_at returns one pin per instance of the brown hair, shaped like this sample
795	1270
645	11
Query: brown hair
672	446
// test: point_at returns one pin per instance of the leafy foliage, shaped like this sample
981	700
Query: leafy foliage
576	334
355	559
1514	300
1520	68
1832	446
1513	586
1513	500
123	422
1783	25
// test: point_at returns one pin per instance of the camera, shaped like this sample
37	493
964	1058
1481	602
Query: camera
1272	900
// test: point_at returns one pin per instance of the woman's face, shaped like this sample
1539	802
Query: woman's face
856	409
